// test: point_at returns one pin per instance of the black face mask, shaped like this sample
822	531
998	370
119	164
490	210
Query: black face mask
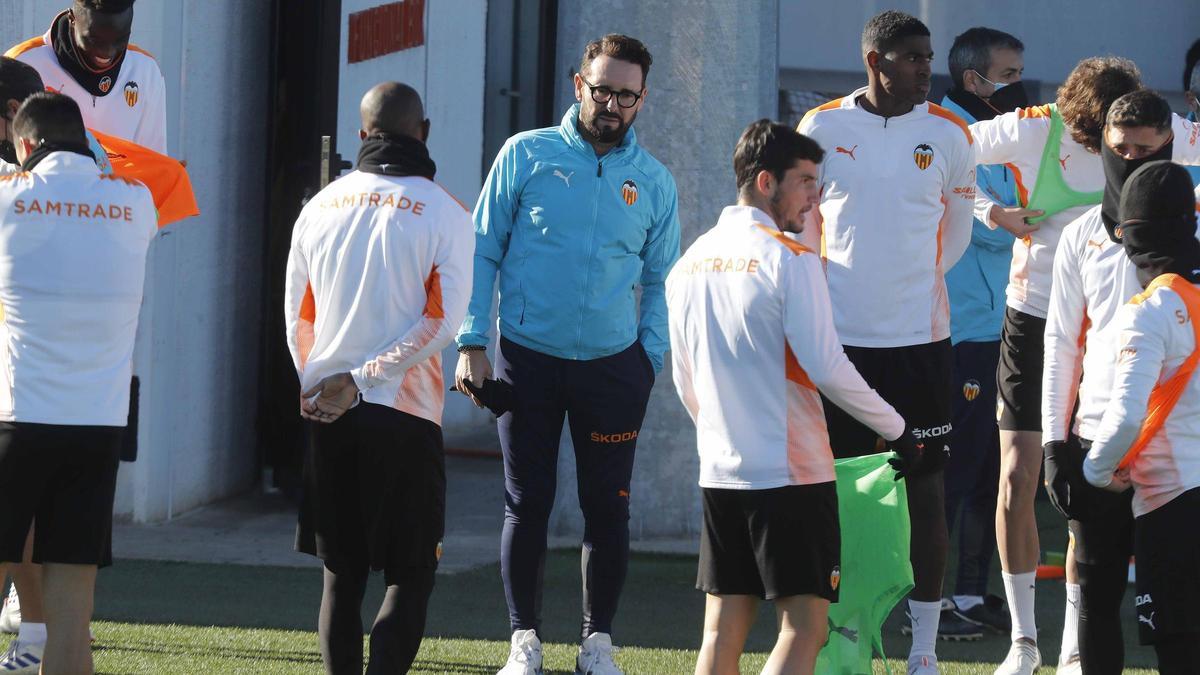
1163	246
1005	100
1116	170
1009	98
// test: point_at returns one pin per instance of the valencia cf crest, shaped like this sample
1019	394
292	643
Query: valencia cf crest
923	156
970	389
437	552
835	577
105	84
131	93
629	192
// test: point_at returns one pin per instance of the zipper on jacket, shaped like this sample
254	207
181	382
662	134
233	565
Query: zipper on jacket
599	169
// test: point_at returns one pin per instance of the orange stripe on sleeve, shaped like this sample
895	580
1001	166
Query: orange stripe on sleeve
835	103
134	48
20	48
305	336
1022	191
791	244
939	111
794	372
433	295
1034	111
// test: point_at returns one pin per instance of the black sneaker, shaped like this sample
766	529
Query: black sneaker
950	626
992	614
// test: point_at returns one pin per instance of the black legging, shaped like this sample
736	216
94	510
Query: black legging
1101	589
396	634
1178	654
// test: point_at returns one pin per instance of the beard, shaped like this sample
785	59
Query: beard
594	133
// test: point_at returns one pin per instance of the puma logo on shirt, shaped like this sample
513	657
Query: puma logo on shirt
566	178
848	152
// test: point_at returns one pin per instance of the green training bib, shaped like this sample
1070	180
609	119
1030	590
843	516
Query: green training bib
1051	193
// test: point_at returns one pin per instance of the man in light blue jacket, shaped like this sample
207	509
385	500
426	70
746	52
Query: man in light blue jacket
574	219
986	67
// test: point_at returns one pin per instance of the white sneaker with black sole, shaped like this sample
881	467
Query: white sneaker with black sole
22	658
10	616
525	654
596	656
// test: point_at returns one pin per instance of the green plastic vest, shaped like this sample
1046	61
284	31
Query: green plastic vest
1051	193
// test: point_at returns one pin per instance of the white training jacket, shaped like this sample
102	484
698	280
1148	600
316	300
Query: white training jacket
1155	336
896	201
135	107
73	248
378	281
752	341
1093	279
1018	140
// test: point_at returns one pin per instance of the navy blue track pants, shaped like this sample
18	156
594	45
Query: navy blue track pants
605	400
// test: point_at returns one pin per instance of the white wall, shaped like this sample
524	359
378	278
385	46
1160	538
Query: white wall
198	341
448	71
1057	34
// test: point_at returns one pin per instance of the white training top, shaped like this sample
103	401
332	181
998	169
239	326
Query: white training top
378	281
1018	139
1093	279
752	341
72	266
897	195
135	107
1155	337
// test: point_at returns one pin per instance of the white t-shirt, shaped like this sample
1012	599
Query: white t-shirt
752	341
135	107
378	281
72	267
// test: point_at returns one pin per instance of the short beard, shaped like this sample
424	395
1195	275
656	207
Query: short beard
594	134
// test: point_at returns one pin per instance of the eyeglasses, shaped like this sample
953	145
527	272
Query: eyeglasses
625	99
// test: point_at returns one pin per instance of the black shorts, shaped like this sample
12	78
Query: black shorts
1167	548
771	543
1019	375
374	492
919	382
65	477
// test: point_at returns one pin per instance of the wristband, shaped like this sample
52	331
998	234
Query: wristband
463	349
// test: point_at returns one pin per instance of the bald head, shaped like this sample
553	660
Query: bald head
393	108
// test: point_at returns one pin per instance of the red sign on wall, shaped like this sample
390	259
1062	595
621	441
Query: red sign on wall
386	29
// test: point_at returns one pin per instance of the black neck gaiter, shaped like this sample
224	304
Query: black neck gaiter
1005	100
395	155
46	148
96	83
1117	170
1164	246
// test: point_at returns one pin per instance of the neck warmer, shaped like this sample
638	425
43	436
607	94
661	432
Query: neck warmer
1005	100
96	83
1117	170
47	147
1158	222
395	155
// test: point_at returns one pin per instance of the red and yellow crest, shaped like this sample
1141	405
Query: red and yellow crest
970	390
923	156
835	577
131	93
629	192
105	84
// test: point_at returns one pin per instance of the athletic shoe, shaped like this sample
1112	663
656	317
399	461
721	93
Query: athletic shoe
525	656
950	626
1023	659
922	665
1073	666
596	656
22	658
10	616
992	614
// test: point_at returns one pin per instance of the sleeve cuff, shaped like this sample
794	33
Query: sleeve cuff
360	381
1089	472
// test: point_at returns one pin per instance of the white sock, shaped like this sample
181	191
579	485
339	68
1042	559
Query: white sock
32	633
965	602
1070	639
1019	588
925	618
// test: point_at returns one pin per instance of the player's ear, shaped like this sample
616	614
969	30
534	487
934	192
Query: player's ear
362	135
764	183
871	59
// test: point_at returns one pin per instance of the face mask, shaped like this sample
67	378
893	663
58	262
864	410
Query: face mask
1006	96
1116	170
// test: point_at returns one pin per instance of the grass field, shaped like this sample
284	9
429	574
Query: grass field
185	618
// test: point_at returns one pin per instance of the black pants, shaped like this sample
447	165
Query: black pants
605	400
973	469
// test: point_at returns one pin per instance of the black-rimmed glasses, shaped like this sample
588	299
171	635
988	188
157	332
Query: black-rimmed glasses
601	94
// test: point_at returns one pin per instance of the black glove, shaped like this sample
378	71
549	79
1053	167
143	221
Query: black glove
495	395
909	452
1068	490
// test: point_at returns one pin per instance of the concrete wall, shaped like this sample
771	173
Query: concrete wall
198	339
1155	34
715	71
448	71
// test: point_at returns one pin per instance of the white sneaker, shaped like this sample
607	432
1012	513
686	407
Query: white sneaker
922	665
1023	659
10	616
22	658
596	656
525	655
1073	666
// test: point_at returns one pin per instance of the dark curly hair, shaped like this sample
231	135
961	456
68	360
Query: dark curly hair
1084	99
